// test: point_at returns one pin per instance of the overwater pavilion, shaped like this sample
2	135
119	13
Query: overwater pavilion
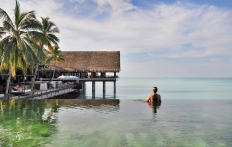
89	66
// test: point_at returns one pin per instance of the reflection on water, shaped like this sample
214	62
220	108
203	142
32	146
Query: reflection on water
96	96
27	123
33	122
154	107
126	123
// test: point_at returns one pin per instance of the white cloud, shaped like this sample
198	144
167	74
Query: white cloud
166	28
43	8
180	30
115	5
79	1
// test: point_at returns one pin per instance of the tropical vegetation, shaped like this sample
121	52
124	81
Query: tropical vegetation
55	56
45	37
24	42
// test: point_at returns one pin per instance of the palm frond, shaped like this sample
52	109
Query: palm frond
52	38
8	27
26	17
7	47
29	22
55	55
48	29
37	50
5	16
2	32
37	37
55	30
13	62
17	14
22	64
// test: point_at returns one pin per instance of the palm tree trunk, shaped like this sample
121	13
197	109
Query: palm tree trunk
8	82
54	71
34	77
36	69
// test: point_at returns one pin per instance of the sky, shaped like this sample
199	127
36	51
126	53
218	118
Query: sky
156	38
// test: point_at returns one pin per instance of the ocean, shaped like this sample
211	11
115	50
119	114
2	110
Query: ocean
168	88
195	112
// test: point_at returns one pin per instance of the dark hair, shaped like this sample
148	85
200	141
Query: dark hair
155	89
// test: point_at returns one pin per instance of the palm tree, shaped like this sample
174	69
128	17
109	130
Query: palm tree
56	56
49	29
16	45
45	36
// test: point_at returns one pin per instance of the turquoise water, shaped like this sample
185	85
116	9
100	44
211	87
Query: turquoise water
169	88
129	123
195	112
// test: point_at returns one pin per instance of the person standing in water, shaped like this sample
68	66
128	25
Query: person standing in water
154	98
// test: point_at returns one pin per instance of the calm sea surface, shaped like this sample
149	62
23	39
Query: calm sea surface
195	112
169	88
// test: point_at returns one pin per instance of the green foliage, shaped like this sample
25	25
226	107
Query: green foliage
16	48
49	29
34	90
55	55
25	37
9	95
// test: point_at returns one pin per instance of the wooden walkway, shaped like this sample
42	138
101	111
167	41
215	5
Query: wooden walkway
45	94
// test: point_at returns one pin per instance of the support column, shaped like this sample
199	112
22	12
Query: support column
103	74
93	74
93	89
104	86
83	86
114	74
115	89
104	89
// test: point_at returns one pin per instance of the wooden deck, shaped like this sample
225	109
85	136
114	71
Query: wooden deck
49	93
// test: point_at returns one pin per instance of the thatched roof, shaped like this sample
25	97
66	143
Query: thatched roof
89	61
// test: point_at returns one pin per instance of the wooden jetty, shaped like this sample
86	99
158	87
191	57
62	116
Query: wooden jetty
89	66
45	94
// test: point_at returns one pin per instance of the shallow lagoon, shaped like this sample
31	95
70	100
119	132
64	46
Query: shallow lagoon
124	123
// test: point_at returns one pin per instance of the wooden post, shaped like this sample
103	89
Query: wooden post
104	95
104	89
103	74
115	89
93	74
83	87
93	86
93	89
104	86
